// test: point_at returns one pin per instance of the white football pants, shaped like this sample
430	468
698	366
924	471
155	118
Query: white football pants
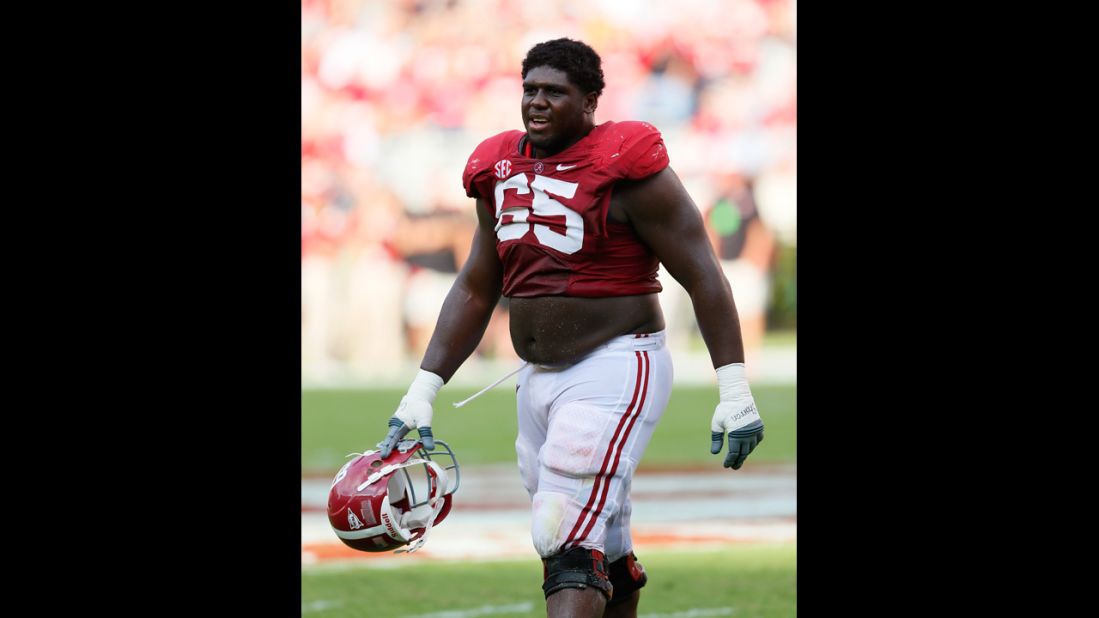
582	430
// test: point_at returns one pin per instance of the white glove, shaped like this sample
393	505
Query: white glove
414	412
736	413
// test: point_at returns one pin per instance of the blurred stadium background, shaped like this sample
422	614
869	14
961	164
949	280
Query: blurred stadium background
395	95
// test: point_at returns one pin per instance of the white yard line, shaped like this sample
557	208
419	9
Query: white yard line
694	612
317	606
484	610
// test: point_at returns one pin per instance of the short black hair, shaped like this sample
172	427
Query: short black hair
575	58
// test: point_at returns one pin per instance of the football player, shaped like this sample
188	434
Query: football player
575	218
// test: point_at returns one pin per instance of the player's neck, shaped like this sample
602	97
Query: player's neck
542	153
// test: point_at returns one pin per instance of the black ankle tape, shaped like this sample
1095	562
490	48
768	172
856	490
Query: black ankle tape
577	568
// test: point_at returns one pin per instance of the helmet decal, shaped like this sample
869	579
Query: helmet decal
353	521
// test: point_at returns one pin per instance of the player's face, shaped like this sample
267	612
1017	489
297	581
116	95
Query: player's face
556	114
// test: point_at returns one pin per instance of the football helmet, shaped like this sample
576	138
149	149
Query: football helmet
376	505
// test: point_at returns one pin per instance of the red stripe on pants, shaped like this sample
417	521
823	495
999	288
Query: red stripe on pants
601	477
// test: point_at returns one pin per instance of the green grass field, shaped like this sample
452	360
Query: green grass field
745	581
335	423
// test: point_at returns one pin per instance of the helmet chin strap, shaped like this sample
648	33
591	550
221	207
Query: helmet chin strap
441	482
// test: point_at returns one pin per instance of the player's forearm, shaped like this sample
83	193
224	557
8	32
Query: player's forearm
462	323
718	321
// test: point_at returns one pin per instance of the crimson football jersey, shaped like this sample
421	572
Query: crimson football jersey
552	231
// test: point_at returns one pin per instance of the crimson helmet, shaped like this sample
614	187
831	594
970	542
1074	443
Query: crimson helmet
375	505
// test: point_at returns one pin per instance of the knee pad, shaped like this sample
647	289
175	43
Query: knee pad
548	510
579	567
626	576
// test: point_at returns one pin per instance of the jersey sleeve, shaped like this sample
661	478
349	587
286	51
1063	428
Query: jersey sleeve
479	171
474	168
642	152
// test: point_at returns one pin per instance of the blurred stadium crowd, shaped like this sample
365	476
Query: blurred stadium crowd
395	94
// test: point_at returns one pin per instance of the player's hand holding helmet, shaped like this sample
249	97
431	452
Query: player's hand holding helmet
414	412
736	415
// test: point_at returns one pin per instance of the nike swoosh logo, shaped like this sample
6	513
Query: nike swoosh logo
562	168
